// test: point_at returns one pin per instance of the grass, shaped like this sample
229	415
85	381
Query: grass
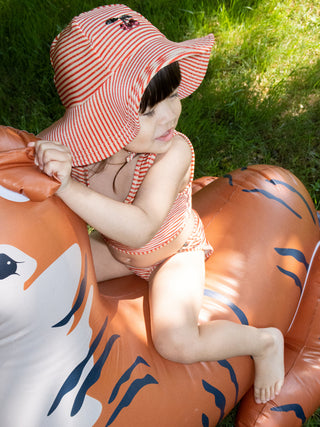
259	102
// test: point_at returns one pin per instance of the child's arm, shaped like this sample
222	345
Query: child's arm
132	225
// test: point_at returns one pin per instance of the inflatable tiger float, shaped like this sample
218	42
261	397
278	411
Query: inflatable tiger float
77	353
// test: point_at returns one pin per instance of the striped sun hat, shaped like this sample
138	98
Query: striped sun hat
103	61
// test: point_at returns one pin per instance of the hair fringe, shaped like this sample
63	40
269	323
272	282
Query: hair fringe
161	86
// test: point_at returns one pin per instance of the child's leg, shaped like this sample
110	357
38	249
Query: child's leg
176	292
105	265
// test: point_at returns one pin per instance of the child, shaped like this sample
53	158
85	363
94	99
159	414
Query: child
121	82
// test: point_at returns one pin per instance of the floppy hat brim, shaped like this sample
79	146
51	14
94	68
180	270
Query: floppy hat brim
85	128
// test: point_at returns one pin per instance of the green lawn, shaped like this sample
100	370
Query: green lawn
259	102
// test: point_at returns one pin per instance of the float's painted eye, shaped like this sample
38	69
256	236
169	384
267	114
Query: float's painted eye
8	266
5	193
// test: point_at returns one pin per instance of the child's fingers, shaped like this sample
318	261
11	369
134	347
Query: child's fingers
47	151
56	163
54	159
56	168
42	146
52	153
44	143
59	168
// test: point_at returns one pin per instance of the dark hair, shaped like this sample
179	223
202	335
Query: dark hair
161	86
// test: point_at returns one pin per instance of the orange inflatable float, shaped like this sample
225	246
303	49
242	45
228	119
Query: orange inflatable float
75	353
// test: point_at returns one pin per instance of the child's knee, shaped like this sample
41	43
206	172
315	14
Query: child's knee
174	346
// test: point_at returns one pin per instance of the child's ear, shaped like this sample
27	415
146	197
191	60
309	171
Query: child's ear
18	170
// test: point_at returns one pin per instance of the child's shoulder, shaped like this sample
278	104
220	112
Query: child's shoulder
182	137
183	145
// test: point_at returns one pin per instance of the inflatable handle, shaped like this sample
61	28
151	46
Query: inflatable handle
18	170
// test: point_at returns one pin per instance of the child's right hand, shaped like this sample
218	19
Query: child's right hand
54	159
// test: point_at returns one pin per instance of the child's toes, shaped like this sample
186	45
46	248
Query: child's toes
266	395
277	387
259	395
272	393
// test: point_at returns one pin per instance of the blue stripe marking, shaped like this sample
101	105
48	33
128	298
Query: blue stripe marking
93	376
205	420
219	398
78	301
75	375
227	175
292	275
132	391
237	311
297	409
272	197
295	253
227	365
125	377
275	182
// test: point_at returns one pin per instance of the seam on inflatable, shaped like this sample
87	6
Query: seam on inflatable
304	285
212	218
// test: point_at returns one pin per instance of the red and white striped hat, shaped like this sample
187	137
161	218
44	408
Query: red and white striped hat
103	61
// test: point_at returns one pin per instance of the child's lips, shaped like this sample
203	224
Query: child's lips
165	137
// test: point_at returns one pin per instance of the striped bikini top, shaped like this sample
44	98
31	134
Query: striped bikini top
176	218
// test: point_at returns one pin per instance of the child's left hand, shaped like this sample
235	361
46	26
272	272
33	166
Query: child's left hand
54	159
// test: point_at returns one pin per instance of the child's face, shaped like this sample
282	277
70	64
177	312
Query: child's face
156	127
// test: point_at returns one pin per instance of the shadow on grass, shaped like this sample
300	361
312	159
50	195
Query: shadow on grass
231	126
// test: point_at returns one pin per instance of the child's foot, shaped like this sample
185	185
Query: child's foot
269	366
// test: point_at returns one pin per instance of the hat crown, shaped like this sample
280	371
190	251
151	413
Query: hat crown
95	43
